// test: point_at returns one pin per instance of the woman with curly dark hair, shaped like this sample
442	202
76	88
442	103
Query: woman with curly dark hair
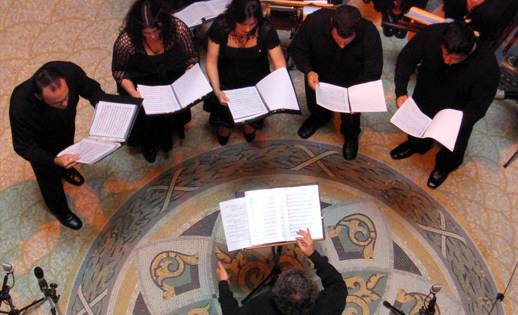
153	48
241	44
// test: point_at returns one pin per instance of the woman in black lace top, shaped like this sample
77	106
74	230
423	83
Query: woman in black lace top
153	48
240	43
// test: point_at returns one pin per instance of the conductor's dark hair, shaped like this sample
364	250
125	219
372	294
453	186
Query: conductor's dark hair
239	11
148	14
346	19
47	76
294	292
459	38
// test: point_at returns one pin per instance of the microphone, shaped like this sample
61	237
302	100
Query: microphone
8	268
38	272
392	308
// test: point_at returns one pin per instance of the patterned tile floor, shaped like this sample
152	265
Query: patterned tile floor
480	197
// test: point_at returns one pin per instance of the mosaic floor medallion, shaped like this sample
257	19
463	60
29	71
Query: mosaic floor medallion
388	238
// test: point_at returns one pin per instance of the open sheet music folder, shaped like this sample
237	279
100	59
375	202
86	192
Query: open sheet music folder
267	217
112	122
186	91
364	97
275	93
444	127
202	11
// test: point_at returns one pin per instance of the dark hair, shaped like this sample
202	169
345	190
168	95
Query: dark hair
144	14
346	19
294	292
47	76
459	38
239	11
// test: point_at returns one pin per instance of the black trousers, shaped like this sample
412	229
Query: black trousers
51	186
445	159
350	126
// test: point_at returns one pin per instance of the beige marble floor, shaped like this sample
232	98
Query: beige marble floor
481	195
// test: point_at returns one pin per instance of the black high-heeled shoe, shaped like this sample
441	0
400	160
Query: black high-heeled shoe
249	137
150	155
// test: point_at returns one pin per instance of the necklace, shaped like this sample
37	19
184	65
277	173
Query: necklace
242	40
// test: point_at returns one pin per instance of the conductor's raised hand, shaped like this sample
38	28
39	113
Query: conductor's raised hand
221	272
66	160
312	79
305	242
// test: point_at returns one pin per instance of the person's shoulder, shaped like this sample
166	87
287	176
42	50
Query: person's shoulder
20	97
486	60
318	16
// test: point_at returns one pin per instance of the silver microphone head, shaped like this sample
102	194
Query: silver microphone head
8	268
435	288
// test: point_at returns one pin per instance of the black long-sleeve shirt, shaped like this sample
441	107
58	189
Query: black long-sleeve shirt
39	131
330	301
469	86
314	49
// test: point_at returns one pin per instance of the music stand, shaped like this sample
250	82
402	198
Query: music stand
271	277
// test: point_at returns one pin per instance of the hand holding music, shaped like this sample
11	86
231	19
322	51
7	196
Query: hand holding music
222	98
400	100
305	242
66	160
221	272
312	79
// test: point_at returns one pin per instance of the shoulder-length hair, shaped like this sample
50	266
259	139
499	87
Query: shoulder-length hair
144	14
239	11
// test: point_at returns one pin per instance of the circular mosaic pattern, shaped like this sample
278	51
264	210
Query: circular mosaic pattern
161	197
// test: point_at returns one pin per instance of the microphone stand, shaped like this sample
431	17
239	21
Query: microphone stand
500	296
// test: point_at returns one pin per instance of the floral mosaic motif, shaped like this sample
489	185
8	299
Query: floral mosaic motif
248	267
354	237
174	273
411	302
364	293
200	310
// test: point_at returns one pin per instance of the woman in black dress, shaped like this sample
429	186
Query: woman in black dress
153	48
241	44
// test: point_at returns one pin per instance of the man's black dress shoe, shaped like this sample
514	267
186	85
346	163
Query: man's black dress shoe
350	148
73	176
400	34
150	155
437	178
70	220
405	150
307	129
223	139
249	137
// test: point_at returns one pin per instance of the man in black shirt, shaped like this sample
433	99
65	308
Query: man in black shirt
42	115
455	72
293	293
342	48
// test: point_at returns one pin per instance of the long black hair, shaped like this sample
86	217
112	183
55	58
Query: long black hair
239	11
148	13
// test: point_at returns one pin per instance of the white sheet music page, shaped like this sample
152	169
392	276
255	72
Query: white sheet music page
410	119
158	99
264	210
191	86
192	15
445	127
217	7
112	120
235	223
303	211
367	97
90	151
332	97
245	104
277	91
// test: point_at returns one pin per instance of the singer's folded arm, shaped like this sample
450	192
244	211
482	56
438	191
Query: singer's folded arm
331	300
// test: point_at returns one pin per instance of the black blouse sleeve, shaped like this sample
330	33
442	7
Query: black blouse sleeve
269	36
184	39
123	49
216	32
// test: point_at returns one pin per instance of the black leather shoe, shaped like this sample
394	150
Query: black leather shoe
307	129
404	150
70	220
437	178
400	34
350	148
181	133
72	176
167	145
249	137
223	139
150	155
388	18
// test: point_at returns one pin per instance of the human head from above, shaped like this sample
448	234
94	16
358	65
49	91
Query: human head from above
345	21
294	292
458	43
51	87
146	20
243	17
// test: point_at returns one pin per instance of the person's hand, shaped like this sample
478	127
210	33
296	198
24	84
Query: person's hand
221	272
136	94
305	242
66	160
222	98
312	79
400	100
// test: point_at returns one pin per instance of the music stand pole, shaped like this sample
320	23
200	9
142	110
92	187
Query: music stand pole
276	251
